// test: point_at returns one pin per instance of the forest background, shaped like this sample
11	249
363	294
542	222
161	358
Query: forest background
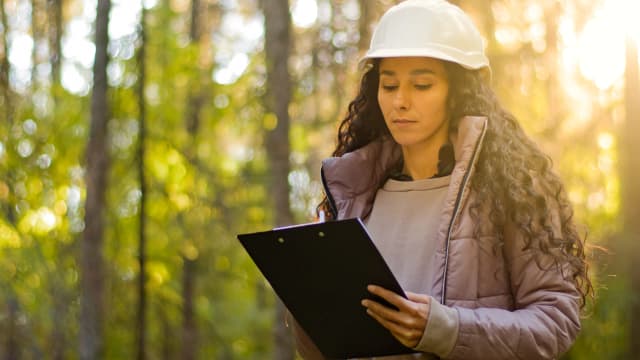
137	138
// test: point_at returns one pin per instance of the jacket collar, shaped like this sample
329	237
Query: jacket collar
351	181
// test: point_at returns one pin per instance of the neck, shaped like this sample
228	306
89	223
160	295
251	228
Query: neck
421	160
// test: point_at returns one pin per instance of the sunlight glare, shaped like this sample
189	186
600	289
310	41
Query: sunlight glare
74	198
605	141
601	46
77	44
124	18
149	4
73	80
47	219
20	52
233	70
38	222
241	37
304	13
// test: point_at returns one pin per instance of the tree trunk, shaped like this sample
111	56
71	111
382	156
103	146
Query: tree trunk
555	96
59	293
141	325
167	335
195	102
277	24
4	71
630	187
8	110
54	8
367	11
91	257
189	330
35	35
58	336
11	342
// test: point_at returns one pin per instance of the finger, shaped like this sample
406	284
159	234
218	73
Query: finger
407	336
399	330
422	307
418	311
393	298
410	320
383	311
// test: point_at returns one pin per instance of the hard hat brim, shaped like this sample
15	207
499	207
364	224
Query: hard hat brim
474	61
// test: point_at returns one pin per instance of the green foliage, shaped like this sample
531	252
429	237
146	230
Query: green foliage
601	336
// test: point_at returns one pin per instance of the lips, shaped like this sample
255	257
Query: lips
403	121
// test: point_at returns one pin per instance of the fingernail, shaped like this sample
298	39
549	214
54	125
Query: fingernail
363	303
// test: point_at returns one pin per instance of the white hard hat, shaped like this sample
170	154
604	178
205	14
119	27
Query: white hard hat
428	28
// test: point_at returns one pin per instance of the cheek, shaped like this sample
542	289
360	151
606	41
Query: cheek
383	103
436	104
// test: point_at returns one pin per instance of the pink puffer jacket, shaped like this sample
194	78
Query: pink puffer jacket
508	307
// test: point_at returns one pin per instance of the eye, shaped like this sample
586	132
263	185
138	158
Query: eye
389	87
423	87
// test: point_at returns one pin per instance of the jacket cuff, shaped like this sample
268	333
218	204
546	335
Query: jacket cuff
441	332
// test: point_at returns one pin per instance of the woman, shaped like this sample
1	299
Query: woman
460	202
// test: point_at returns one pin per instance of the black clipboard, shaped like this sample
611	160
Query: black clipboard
320	271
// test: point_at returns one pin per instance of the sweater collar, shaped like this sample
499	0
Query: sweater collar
446	162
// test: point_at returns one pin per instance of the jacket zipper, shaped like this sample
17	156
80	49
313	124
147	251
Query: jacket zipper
456	208
332	204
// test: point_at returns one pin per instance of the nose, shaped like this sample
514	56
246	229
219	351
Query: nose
402	99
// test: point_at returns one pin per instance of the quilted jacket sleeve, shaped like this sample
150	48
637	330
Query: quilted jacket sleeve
546	319
304	345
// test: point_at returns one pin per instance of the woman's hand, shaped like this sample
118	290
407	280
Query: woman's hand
406	324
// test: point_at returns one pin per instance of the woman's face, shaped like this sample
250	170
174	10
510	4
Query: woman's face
413	98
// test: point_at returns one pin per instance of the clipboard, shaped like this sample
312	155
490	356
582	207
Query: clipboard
320	271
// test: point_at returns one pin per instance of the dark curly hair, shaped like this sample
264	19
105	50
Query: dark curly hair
513	180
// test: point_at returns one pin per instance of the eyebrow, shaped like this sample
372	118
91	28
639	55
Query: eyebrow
412	73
